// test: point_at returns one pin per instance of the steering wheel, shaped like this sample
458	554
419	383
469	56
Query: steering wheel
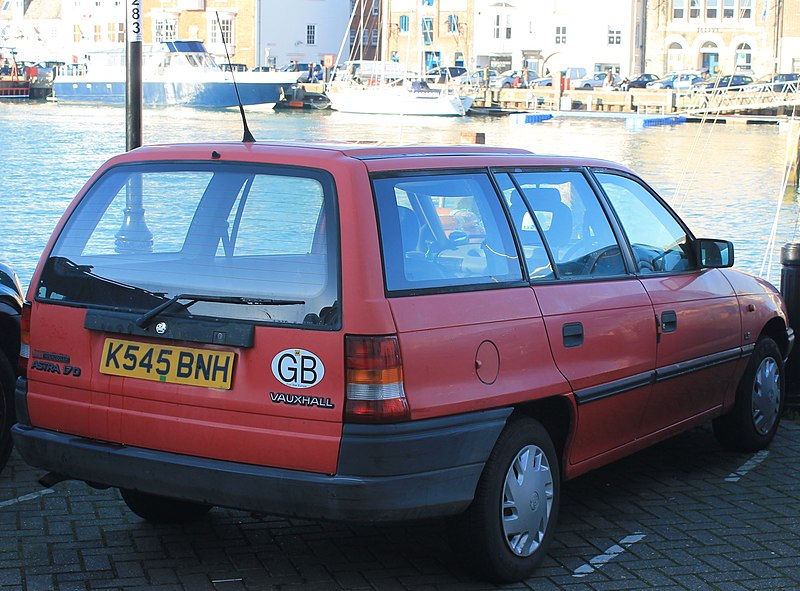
598	255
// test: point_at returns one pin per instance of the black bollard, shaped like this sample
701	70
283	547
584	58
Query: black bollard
790	290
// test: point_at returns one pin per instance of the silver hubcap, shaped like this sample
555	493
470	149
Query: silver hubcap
766	395
527	500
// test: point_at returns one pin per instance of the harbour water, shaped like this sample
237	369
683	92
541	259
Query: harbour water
724	180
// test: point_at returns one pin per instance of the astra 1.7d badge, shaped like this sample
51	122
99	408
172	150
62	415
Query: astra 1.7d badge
297	368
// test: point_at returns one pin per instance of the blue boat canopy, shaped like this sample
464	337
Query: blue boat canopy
185	46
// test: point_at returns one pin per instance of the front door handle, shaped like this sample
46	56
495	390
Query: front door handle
669	321
572	333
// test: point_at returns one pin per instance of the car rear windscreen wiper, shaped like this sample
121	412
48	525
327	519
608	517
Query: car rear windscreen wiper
145	318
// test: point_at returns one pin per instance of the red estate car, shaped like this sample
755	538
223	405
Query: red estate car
376	334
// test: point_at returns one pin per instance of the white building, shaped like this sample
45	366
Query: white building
553	35
300	30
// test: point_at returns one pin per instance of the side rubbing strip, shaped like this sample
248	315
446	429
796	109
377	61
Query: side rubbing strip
616	387
684	367
661	374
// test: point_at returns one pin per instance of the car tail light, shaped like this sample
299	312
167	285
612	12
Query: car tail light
25	339
375	392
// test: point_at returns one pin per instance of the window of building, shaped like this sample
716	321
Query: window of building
352	37
365	37
427	30
561	35
226	24
712	8
311	34
116	32
496	29
165	29
745	9
404	24
508	26
614	36
374	36
728	8
375	6
76	33
452	23
98	33
678	9
694	8
744	57
427	2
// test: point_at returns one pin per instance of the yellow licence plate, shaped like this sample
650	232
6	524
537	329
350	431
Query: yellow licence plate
175	365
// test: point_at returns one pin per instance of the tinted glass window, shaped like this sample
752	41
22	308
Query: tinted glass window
574	225
143	234
444	231
658	241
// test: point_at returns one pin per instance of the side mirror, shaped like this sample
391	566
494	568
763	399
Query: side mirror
714	254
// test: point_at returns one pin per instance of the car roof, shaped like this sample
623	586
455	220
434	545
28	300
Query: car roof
374	158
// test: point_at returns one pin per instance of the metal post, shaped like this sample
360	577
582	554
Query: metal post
133	86
134	235
790	290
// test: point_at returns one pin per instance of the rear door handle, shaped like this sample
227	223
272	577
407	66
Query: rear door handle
572	333
669	321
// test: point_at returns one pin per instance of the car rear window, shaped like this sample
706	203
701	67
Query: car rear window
446	231
145	233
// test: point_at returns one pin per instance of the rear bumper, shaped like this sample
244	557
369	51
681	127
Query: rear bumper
387	472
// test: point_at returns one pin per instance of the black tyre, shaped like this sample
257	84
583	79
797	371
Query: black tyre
752	423
7	415
506	531
160	509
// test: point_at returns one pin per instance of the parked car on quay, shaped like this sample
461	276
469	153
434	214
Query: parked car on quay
596	80
544	81
444	74
511	78
640	81
476	78
723	83
372	333
777	83
235	67
682	81
10	309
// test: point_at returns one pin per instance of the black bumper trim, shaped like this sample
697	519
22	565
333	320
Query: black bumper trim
433	490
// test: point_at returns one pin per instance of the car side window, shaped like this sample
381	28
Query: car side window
444	231
575	227
658	241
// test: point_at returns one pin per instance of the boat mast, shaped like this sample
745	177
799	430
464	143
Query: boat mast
384	16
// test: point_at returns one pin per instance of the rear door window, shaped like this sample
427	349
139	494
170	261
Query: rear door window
143	234
444	231
575	226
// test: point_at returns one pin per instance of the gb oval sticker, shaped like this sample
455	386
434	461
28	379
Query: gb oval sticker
297	368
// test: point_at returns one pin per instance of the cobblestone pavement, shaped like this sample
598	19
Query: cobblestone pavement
683	515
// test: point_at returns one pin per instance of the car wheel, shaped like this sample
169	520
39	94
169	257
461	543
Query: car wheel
506	531
586	87
160	509
506	85
752	423
7	415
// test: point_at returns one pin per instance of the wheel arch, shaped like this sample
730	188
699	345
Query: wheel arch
556	416
9	333
776	330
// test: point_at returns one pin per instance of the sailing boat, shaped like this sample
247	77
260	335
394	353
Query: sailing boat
383	88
